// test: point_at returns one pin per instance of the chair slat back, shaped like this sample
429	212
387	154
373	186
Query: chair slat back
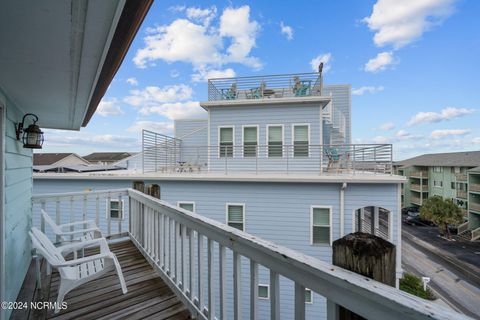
56	229
46	248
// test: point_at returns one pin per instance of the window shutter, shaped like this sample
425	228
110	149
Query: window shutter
250	135
235	214
274	134
301	133
226	135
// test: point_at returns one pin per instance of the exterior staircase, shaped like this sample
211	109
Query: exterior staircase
465	234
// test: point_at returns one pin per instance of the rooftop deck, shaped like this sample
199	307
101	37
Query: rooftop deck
148	296
277	86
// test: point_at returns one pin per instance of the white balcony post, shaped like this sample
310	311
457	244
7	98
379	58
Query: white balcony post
253	289
274	295
299	302
237	286
223	309
211	297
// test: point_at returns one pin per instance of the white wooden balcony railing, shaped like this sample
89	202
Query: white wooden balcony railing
214	269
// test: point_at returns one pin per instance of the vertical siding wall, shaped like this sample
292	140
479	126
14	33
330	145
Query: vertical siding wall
342	100
17	207
263	116
279	212
194	136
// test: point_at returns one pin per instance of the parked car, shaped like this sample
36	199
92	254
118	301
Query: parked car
416	220
409	209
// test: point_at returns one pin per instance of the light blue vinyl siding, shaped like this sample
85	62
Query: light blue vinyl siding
17	206
341	98
278	212
286	115
194	136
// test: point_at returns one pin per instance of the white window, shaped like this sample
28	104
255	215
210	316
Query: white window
236	215
187	205
115	209
263	291
320	225
301	137
250	141
437	169
308	296
275	140
226	141
437	183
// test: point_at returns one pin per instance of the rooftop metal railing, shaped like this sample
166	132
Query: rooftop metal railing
159	151
278	158
265	87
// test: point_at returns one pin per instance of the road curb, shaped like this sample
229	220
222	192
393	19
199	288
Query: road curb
471	272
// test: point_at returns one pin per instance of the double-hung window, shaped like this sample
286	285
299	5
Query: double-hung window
275	141
115	209
226	142
300	140
320	228
250	141
236	216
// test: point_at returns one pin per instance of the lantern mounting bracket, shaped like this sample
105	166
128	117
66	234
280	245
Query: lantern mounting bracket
20	126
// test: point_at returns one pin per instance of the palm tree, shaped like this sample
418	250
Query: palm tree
442	212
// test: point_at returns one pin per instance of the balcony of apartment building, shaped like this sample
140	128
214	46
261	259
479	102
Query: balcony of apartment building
419	174
474	187
163	155
417	198
265	88
419	187
461	177
178	265
461	194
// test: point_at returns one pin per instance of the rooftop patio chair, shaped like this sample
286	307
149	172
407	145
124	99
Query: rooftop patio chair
91	231
74	273
333	157
301	87
230	94
257	93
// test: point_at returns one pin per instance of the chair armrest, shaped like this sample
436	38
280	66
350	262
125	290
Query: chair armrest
89	223
100	242
79	231
72	263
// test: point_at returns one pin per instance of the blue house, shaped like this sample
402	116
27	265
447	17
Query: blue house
269	160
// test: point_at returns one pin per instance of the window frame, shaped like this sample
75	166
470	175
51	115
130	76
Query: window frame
311	296
243	139
268	291
243	214
108	209
187	202
330	224
267	141
219	140
441	183
293	139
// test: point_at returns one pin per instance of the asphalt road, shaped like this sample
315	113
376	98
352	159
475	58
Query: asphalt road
447	283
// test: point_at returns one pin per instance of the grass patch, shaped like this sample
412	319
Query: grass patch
412	284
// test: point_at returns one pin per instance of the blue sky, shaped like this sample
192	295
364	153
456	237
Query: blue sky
414	68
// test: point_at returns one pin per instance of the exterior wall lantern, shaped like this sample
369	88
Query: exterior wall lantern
32	137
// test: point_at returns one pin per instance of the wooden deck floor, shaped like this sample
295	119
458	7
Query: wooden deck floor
148	296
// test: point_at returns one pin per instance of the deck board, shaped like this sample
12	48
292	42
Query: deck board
148	296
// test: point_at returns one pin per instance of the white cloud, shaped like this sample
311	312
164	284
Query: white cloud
286	30
78	140
476	140
381	140
366	89
437	134
194	41
156	126
172	102
387	126
204	16
381	62
444	115
109	107
326	58
154	95
404	135
203	74
174	73
398	23
132	81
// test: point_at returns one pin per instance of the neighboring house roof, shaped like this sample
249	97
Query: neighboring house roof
476	169
450	159
107	156
41	159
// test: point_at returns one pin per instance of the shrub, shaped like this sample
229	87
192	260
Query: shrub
413	285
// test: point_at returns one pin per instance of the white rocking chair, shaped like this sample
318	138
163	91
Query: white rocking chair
74	273
90	232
